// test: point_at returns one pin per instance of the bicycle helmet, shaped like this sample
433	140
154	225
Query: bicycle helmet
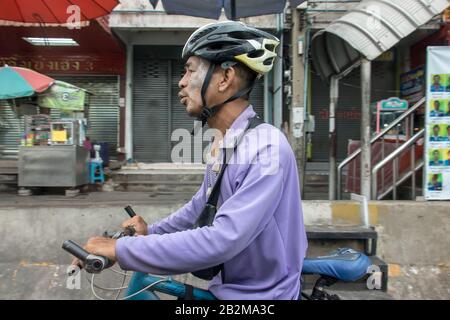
226	44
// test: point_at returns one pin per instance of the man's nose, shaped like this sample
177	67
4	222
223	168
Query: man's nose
183	82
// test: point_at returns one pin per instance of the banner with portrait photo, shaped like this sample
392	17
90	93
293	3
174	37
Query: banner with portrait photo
437	145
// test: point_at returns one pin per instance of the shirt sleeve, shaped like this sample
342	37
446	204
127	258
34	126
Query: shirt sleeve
238	222
185	217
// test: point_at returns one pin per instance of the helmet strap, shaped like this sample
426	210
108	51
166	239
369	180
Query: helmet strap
206	112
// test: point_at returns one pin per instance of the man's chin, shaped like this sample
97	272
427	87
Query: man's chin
192	113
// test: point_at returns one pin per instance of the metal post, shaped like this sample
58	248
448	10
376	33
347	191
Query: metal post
278	79
297	112
334	95
128	104
413	168
233	9
365	127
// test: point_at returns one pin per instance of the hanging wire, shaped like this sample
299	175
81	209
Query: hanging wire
42	26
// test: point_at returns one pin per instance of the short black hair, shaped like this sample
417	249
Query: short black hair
247	75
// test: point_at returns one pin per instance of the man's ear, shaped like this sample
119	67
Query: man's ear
227	78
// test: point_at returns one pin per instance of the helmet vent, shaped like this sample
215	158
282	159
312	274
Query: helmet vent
202	33
268	61
241	35
269	47
256	54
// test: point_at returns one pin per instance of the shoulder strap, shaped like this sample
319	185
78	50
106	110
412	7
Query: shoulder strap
214	196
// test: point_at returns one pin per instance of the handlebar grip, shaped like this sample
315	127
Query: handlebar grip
75	250
130	211
93	263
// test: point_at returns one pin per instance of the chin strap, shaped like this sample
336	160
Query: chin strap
208	112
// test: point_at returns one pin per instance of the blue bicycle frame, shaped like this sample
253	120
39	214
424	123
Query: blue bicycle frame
141	280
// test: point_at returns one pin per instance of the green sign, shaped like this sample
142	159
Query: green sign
64	96
393	104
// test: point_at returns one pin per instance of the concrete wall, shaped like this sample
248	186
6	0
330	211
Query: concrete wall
410	232
413	236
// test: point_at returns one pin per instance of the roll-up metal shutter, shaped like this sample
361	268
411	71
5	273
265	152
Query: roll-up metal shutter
348	112
103	118
151	95
10	130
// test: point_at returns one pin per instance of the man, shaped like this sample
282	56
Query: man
447	114
436	161
436	112
448	85
436	86
258	232
434	184
435	137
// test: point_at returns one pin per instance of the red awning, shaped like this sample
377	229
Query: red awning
54	11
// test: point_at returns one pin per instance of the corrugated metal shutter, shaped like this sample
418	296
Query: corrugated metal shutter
10	130
151	110
103	119
348	113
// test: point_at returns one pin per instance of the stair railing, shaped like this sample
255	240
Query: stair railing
406	116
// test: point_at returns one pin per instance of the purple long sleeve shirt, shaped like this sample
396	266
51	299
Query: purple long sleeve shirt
258	232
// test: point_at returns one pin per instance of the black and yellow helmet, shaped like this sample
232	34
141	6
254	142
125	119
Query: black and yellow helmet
233	41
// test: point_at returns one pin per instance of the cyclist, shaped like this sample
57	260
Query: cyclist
258	232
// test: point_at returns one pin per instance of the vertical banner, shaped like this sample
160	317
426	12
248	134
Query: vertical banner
437	151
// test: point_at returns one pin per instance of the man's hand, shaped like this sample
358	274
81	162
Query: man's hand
139	225
99	246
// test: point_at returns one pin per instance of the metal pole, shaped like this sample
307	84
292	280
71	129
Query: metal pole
298	105
278	78
365	127
413	168
128	104
334	95
233	9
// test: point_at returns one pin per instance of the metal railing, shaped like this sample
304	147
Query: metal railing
396	180
408	116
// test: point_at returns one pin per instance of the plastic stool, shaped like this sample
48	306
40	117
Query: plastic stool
93	177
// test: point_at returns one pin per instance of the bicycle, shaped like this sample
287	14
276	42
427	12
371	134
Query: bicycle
344	264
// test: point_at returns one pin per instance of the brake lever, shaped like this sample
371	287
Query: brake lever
128	231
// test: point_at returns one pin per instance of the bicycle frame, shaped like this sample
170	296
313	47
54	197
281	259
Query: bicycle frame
169	286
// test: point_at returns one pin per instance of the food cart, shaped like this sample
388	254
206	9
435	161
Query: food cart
51	152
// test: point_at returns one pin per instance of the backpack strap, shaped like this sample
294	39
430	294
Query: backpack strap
214	196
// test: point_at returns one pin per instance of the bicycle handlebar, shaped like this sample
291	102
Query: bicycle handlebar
92	263
130	211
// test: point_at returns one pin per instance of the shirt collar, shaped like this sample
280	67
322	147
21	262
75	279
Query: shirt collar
237	128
